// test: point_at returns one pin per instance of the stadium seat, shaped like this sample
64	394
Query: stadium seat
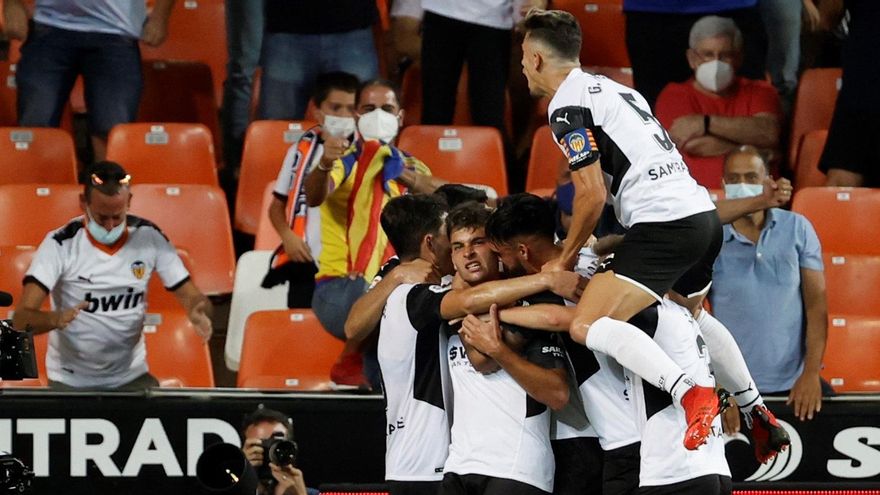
196	32
191	100
36	155
546	161
33	210
14	262
176	355
248	296
265	145
466	155
813	106
852	284
195	218
164	153
847	220
807	173
603	26
851	363
266	237
286	349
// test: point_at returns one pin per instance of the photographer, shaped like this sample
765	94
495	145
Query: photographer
259	426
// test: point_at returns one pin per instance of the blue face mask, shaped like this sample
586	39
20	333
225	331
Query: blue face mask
736	191
102	235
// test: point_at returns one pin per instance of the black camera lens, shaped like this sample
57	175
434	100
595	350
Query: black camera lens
283	453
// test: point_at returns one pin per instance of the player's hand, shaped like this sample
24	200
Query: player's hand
16	17
198	316
528	5
296	248
568	285
253	451
417	271
776	193
63	318
806	395
730	421
334	148
290	480
485	336
687	127
155	30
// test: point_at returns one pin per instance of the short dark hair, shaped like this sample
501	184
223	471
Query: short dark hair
407	219
107	177
266	415
521	214
557	29
456	194
470	215
334	81
385	83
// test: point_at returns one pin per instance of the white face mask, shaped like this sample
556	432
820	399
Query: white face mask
715	75
102	235
736	191
339	126
378	124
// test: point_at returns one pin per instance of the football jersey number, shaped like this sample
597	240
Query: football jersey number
663	140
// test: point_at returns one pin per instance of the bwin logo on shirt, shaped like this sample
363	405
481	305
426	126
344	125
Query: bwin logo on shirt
114	302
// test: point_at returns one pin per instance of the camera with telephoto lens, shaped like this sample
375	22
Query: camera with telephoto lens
278	450
15	477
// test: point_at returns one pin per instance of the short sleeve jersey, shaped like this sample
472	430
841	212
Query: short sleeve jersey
103	346
595	119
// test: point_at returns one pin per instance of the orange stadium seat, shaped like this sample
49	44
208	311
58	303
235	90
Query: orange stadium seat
286	349
847	220
196	32
265	145
603	26
852	284
177	91
36	155
851	363
813	106
176	355
195	218
39	210
164	153
807	173
467	155
546	162
266	236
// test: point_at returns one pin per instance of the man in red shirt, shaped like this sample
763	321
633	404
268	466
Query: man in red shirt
716	111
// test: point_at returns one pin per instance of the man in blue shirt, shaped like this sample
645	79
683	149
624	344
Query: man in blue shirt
769	290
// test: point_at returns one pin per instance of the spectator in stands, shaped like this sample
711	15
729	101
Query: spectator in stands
352	183
406	37
300	241
97	268
258	426
96	39
244	37
305	39
716	111
782	20
769	291
479	33
657	33
852	152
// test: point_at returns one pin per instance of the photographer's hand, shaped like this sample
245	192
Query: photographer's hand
290	480
253	451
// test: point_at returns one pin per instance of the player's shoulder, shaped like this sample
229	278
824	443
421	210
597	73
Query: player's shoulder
143	226
67	232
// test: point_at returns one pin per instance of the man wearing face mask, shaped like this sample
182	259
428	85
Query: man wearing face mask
352	183
716	111
97	268
769	290
298	226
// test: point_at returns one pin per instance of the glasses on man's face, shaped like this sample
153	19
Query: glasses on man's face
97	181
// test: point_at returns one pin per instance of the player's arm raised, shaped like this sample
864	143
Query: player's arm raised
477	300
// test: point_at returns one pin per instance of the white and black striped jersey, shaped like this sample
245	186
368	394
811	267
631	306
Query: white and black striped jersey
498	430
412	359
595	118
664	460
103	346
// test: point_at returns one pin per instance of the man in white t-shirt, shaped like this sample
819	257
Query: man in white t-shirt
97	268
